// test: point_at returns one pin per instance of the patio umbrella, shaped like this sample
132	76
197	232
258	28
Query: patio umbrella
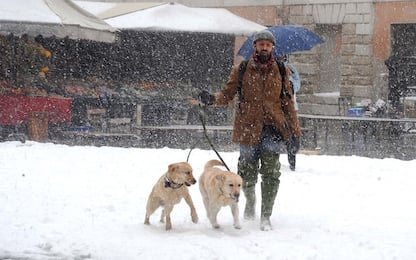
289	39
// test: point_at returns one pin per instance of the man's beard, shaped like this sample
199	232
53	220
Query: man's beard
263	56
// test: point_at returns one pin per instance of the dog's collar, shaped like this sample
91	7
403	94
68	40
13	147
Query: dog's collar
171	184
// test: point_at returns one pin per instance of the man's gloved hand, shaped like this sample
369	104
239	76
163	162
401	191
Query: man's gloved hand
294	144
206	97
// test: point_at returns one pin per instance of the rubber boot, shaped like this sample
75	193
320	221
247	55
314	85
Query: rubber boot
248	172
250	208
270	173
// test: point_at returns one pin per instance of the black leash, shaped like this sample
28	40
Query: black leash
189	154
202	118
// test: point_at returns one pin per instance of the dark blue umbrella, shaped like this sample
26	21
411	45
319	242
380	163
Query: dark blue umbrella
289	38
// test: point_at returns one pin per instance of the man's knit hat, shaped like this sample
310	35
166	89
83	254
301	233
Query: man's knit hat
264	35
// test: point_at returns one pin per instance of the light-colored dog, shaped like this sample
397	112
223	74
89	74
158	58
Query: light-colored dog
169	190
220	188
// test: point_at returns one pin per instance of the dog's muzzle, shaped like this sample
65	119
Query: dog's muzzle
235	196
192	182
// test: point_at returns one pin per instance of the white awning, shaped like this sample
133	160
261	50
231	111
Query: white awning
171	17
61	18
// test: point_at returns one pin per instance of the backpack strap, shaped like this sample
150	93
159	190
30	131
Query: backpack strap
282	69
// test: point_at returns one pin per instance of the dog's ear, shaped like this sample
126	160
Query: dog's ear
172	167
220	177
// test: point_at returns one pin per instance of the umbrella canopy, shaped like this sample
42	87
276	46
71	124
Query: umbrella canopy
171	17
289	39
60	18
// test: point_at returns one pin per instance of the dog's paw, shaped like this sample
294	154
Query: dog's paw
237	226
194	216
216	226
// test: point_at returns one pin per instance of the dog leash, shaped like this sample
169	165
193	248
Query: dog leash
202	113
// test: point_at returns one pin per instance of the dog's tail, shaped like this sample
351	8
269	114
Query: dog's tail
213	163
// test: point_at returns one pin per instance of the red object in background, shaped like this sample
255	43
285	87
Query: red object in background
14	110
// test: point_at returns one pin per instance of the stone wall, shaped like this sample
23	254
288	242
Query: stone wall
354	43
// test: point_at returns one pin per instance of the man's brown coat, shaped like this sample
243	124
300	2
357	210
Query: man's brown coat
261	104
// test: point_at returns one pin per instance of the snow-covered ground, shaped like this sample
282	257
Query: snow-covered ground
72	202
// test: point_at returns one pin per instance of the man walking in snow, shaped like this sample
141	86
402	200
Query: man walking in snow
264	105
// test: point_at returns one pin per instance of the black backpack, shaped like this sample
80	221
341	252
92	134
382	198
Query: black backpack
242	70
